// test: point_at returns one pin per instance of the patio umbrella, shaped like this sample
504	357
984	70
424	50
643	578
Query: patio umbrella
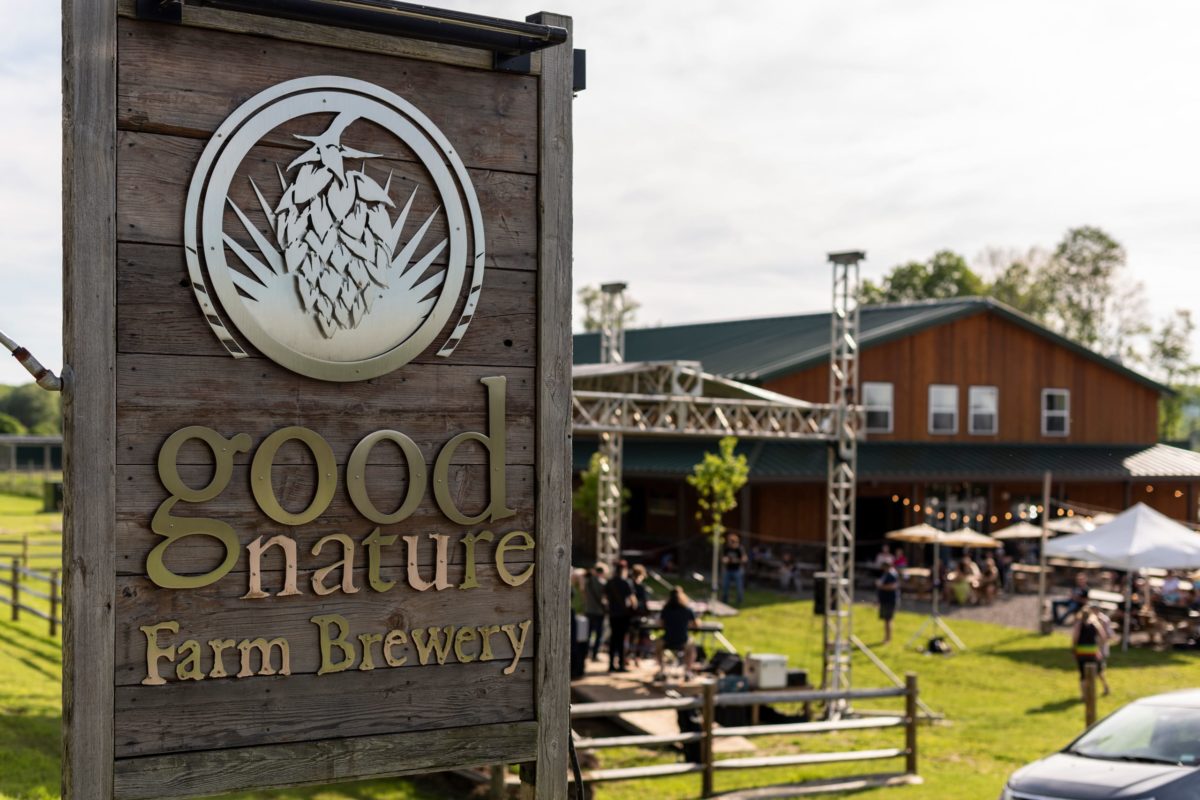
922	533
1136	539
965	537
1019	530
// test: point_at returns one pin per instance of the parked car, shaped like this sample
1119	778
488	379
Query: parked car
1147	750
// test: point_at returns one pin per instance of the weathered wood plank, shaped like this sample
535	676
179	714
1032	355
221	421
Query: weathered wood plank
258	397
217	611
325	761
157	313
300	708
89	285
343	38
154	173
490	116
554	404
139	493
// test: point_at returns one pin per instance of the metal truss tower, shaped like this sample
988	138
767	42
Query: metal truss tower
842	481
609	488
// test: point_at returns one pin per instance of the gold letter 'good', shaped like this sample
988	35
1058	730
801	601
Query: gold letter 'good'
172	529
264	460
356	473
494	443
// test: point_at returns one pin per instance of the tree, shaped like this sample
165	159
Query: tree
1080	281
717	479
586	497
1018	279
11	425
35	407
1171	358
592	300
944	275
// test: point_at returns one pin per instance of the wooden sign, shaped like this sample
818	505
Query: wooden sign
317	299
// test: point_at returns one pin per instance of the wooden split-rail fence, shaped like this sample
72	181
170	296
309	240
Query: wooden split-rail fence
709	700
16	581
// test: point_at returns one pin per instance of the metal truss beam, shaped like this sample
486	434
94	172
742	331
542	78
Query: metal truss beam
842	480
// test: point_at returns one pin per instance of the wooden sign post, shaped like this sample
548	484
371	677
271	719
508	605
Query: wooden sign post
317	301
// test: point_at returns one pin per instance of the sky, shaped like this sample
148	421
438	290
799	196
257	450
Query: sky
722	149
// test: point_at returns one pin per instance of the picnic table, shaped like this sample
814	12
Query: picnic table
1025	577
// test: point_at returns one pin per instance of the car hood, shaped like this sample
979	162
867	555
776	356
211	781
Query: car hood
1075	778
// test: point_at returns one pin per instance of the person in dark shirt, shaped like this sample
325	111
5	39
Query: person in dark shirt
1088	644
639	636
595	606
733	557
888	590
677	620
622	604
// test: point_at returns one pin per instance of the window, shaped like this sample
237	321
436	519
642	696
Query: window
984	405
877	403
1056	412
943	408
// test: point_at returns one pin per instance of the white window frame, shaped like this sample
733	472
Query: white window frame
971	393
932	410
1065	413
890	408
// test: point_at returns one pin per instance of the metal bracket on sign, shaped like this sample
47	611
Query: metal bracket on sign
579	79
160	10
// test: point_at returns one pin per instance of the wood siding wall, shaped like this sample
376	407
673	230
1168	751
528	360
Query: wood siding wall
987	350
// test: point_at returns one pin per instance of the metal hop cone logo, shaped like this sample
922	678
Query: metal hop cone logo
335	280
336	238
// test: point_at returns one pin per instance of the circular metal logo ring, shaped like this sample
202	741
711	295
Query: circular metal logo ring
333	290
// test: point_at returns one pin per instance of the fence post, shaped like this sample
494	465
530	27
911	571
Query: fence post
910	723
1089	694
16	589
706	749
54	590
25	550
496	791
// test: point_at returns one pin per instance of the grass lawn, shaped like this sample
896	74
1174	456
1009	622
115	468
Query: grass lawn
1008	700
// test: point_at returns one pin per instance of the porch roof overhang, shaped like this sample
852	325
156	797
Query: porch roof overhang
802	462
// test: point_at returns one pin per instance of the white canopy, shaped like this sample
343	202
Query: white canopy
1139	538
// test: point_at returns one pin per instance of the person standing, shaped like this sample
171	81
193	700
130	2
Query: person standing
639	637
733	557
595	606
888	590
678	620
1089	641
622	603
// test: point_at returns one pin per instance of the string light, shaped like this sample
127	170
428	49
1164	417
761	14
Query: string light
979	517
1008	515
941	515
917	507
905	501
1070	512
953	515
1061	512
1179	493
994	520
1149	489
1040	509
895	498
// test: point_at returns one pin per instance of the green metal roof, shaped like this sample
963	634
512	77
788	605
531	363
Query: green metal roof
757	350
901	461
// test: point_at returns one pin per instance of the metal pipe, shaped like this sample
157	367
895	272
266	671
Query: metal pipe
408	19
1046	488
44	377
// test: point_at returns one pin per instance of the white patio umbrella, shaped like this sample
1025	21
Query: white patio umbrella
1136	539
1019	530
